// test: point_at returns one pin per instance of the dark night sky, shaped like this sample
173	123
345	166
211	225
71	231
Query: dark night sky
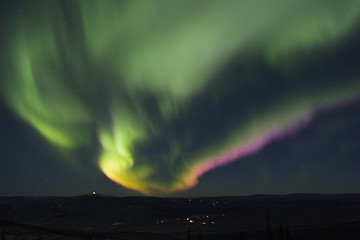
179	99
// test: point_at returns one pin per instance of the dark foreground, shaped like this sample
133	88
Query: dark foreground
309	216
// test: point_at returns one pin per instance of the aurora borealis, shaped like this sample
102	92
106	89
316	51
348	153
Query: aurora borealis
161	92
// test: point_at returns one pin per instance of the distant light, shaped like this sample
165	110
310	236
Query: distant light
204	223
191	221
93	192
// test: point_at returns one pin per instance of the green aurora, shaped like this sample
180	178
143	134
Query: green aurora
144	80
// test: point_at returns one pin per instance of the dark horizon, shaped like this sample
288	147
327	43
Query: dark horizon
331	217
258	195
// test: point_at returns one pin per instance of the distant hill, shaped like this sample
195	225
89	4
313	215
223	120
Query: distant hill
171	218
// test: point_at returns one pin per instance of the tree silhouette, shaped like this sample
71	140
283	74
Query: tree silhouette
281	232
2	234
189	234
199	237
288	234
270	235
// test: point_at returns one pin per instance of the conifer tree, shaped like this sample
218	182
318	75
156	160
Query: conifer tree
288	234
281	232
269	228
199	236
189	235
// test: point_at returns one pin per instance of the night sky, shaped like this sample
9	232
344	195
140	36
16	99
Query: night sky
179	98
